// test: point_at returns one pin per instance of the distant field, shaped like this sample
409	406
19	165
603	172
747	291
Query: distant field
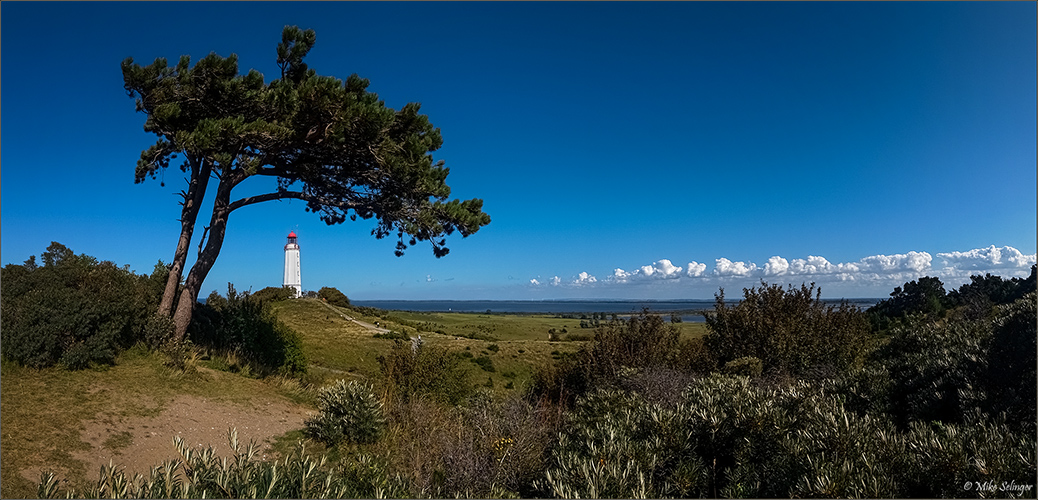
338	348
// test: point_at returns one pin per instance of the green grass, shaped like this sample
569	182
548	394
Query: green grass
338	348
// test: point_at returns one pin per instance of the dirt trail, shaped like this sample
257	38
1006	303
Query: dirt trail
369	326
138	443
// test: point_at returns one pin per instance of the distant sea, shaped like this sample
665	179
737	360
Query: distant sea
688	309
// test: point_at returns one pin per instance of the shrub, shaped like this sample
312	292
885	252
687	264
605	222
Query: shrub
936	370
747	366
73	309
274	294
485	363
348	411
429	371
333	296
1011	376
730	438
788	330
642	341
250	329
925	297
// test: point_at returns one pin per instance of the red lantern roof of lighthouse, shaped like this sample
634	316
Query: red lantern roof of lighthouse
292	234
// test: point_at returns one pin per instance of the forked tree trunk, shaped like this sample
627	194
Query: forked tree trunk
192	202
206	259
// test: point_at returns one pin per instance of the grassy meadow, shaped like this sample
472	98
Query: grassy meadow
515	344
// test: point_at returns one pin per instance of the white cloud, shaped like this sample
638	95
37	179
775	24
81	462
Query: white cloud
912	262
874	273
621	276
695	269
725	267
584	279
990	258
776	266
662	269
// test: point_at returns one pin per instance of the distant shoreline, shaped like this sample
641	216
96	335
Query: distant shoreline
619	306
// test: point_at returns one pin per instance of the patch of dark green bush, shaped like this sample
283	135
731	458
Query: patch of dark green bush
727	437
945	371
392	335
790	330
484	363
493	348
73	309
250	329
333	296
747	366
273	294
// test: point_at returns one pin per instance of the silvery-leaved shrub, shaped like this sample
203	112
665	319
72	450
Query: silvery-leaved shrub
348	411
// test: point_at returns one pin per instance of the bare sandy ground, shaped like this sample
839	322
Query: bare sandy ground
139	443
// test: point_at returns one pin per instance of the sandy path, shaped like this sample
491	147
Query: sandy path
200	422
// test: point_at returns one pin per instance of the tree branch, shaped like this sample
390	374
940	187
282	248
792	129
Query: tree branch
281	195
205	231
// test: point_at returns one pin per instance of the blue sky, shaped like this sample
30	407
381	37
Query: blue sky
623	150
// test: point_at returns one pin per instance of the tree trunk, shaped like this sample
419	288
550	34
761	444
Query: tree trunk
206	259
188	215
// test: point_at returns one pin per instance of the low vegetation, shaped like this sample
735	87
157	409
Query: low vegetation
925	395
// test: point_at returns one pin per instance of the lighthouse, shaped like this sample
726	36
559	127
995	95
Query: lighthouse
292	278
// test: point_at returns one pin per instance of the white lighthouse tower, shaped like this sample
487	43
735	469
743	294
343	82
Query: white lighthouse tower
292	278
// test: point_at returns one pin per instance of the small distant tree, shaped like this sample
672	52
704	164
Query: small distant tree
333	296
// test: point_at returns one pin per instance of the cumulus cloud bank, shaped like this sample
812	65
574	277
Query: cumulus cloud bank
662	269
695	269
584	279
988	258
875	269
725	267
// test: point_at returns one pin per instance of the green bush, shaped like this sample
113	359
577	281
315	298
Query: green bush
428	371
730	438
924	297
788	330
944	371
1011	377
274	294
250	329
485	363
333	296
348	411
73	309
747	366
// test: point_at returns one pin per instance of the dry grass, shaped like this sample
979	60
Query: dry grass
45	412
